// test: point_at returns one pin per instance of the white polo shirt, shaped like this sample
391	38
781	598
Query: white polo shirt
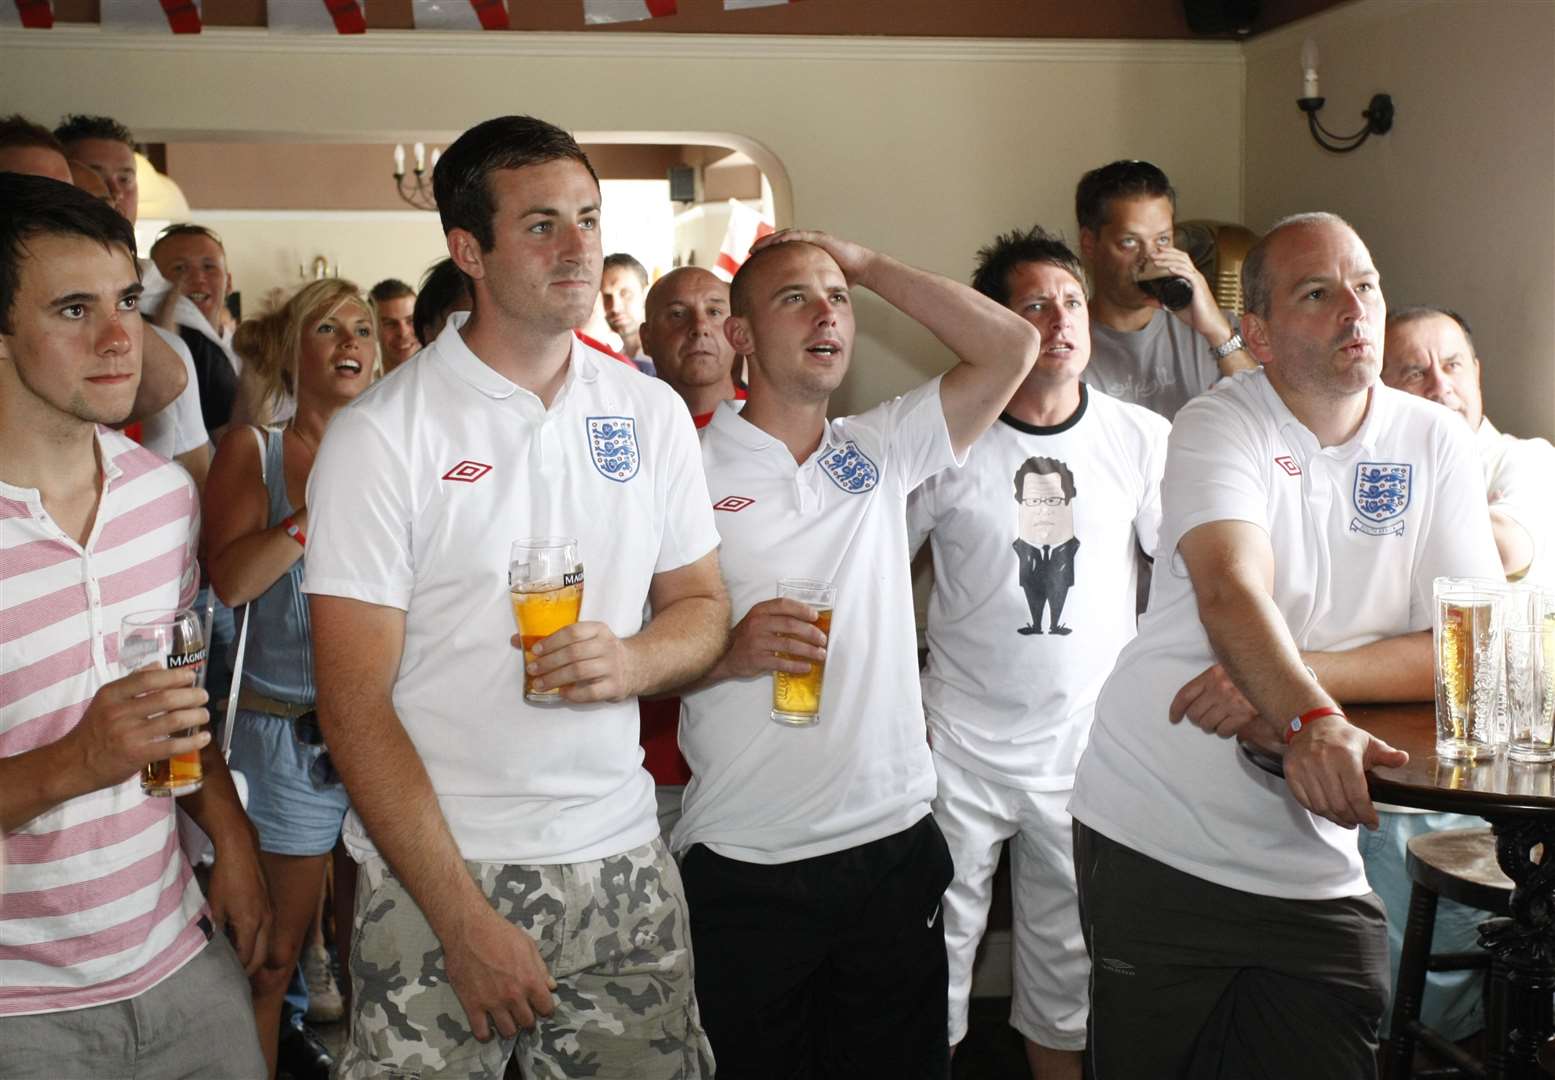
420	487
180	426
1520	482
1005	702
764	793
1359	532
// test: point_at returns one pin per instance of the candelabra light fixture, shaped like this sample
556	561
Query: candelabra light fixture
1378	114
416	189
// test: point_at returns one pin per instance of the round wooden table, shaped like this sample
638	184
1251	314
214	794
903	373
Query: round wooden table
1519	802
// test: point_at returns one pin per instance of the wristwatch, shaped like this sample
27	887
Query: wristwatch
1220	352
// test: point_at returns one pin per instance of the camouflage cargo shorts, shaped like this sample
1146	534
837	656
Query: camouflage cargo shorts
614	934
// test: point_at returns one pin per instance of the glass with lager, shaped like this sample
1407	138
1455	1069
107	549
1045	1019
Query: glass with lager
1466	633
545	580
166	639
796	699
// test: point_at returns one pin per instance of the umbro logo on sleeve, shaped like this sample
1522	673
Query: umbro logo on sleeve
467	471
1288	463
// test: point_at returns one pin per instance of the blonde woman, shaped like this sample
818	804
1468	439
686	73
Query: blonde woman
320	349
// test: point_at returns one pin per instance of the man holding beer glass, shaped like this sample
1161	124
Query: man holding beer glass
508	839
814	869
109	958
1231	927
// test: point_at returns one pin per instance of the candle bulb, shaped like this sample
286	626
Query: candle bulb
399	160
1309	69
436	154
421	157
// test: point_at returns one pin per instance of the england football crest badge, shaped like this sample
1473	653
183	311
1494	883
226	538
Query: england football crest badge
613	446
850	469
1381	496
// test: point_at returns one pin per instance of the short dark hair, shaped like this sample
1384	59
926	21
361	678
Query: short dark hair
1045	466
78	126
40	206
390	288
1416	312
1119	180
460	181
622	260
442	286
18	131
996	261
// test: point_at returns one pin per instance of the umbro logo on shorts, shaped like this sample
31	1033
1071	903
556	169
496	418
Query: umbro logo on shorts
1288	463
467	471
733	503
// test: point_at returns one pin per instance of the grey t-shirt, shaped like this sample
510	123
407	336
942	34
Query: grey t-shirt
1161	367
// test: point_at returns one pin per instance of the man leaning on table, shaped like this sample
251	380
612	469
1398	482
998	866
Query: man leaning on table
1306	511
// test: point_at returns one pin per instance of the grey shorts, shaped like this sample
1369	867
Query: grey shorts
613	933
196	1023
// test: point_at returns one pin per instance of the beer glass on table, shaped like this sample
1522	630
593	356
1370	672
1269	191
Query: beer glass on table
545	580
796	699
1530	674
1466	632
167	639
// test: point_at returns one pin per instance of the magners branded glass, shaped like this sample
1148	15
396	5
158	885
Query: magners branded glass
167	639
796	699
545	580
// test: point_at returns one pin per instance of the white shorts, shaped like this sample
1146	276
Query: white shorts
1052	972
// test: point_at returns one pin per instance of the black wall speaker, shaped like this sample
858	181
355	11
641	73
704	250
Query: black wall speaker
683	183
1221	16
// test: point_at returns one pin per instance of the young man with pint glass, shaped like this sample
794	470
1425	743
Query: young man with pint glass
111	961
812	865
514	894
1231	927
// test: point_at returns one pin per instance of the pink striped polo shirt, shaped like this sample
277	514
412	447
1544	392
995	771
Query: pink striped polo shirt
97	902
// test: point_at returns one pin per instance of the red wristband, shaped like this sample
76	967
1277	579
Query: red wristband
294	532
1307	717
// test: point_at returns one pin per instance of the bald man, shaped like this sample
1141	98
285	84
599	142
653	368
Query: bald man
682	333
1429	352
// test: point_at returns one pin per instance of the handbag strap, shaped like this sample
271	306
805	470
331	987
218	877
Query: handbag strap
242	645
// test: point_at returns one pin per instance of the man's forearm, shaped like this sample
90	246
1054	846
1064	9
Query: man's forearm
1392	669
1252	643
1513	543
216	808
680	644
162	378
34	783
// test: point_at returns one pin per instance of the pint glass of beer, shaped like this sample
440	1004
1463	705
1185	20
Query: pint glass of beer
1467	634
796	699
1530	674
545	580
166	639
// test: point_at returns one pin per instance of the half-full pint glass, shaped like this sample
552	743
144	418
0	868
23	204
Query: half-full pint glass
166	639
545	580
1466	633
796	699
1530	675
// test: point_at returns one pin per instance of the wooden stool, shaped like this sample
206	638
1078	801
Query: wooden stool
1459	864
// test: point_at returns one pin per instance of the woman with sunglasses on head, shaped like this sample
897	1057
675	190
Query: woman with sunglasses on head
319	349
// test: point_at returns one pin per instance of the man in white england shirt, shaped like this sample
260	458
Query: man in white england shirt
510	849
1231	928
813	868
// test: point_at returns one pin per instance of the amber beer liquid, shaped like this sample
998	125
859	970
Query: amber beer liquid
540	612
170	640
796	699
1468	681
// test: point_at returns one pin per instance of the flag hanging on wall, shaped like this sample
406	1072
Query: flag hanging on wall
154	16
316	16
460	14
741	5
746	226
35	14
614	11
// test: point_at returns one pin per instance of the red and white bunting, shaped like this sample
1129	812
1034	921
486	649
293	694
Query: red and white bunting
35	14
316	16
746	226
615	11
742	5
460	14
151	16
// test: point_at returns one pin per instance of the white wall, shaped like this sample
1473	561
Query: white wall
1457	202
922	147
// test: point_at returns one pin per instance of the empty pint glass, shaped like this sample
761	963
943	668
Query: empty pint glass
1466	635
167	639
545	580
1529	636
796	699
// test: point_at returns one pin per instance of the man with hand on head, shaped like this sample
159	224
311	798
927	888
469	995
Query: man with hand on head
1142	352
111	960
1231	928
813	867
1070	480
514	892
